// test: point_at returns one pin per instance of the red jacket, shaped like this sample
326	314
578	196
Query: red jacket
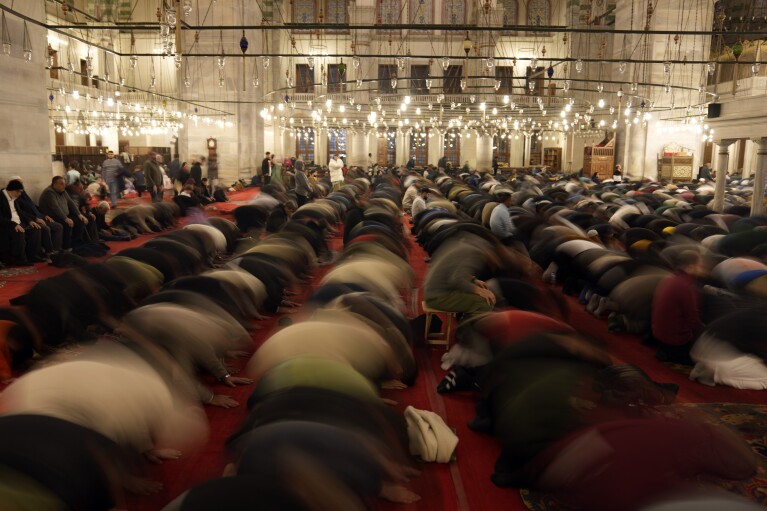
676	310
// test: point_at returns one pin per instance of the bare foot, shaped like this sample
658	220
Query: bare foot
397	493
141	486
393	385
159	455
229	470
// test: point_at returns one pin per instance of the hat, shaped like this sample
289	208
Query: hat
14	185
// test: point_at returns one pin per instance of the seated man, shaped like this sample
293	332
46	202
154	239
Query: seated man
56	203
187	199
50	231
22	235
107	232
451	283
77	194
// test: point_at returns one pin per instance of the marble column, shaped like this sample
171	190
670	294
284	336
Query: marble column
721	170
749	160
634	168
25	137
321	147
401	148
526	158
358	150
732	163
621	142
468	149
760	172
485	153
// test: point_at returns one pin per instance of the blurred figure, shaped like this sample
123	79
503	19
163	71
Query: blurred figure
676	320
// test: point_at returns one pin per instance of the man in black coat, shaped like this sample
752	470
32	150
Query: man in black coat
19	230
266	169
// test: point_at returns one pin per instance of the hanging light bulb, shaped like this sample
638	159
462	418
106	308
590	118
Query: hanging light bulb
531	85
152	82
666	68
359	83
428	83
634	87
164	30
255	82
221	61
497	84
170	17
266	62
310	63
472	98
187	7
600	87
221	81
89	66
711	67
490	62
755	68
566	85
6	36
178	60
667	88
132	61
445	62
187	81
400	63
601	103
612	110
579	65
621	67
394	83
355	62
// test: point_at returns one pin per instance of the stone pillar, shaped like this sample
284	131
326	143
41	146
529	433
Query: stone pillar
358	150
749	160
732	162
760	172
401	148
25	137
372	146
526	157
485	153
621	141
321	146
434	147
634	167
468	148
721	169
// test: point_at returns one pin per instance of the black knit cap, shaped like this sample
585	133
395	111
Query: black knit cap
14	185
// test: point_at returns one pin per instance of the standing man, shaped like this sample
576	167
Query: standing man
174	173
705	172
336	169
266	169
196	172
495	165
73	174
153	177
303	185
110	171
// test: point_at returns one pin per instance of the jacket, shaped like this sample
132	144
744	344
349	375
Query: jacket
58	206
336	168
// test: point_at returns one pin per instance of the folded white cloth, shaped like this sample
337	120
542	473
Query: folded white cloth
430	438
719	363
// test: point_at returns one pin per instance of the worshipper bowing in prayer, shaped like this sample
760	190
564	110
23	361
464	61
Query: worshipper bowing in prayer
676	320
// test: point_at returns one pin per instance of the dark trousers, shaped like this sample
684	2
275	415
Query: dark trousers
266	179
156	195
51	237
72	234
301	200
24	245
140	189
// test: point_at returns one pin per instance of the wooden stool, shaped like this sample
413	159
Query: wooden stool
441	338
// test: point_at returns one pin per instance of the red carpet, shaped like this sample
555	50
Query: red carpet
463	485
